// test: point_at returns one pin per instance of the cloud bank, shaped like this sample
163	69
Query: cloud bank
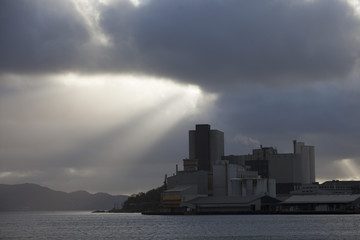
93	93
210	43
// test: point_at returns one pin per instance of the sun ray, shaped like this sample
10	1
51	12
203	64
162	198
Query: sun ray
91	15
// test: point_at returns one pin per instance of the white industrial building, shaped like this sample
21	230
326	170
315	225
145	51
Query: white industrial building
235	180
288	169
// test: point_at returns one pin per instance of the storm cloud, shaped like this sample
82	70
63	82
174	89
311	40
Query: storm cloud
209	43
93	93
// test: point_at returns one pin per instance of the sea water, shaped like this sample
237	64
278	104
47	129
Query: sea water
85	225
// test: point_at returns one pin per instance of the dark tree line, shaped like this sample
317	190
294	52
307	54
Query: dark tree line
151	200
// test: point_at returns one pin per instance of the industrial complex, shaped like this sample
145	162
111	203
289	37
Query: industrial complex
264	181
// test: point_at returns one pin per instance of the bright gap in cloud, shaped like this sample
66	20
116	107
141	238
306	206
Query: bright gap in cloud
136	3
90	125
152	107
88	10
355	4
350	168
346	169
135	92
148	109
17	174
130	96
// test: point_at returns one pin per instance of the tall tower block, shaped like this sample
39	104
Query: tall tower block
206	146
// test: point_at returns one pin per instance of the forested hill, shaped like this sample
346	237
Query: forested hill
32	197
151	200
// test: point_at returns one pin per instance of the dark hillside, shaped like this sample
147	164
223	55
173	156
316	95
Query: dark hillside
141	202
32	197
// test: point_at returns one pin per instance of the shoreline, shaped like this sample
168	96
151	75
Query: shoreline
254	213
181	212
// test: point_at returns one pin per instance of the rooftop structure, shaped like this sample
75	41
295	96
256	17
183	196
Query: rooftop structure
321	203
232	204
328	187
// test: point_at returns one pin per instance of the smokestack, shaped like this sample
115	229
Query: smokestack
294	142
177	169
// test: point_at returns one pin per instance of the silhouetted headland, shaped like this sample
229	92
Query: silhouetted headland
32	197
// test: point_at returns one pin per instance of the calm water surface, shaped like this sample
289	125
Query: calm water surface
84	225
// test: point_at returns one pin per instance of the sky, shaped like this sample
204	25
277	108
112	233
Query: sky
99	95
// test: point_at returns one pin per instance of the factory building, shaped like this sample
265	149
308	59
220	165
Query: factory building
199	179
288	169
211	183
205	175
235	180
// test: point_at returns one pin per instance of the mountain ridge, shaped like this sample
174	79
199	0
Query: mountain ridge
33	197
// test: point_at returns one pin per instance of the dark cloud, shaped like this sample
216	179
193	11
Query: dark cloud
323	115
217	42
210	43
40	36
306	109
281	69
